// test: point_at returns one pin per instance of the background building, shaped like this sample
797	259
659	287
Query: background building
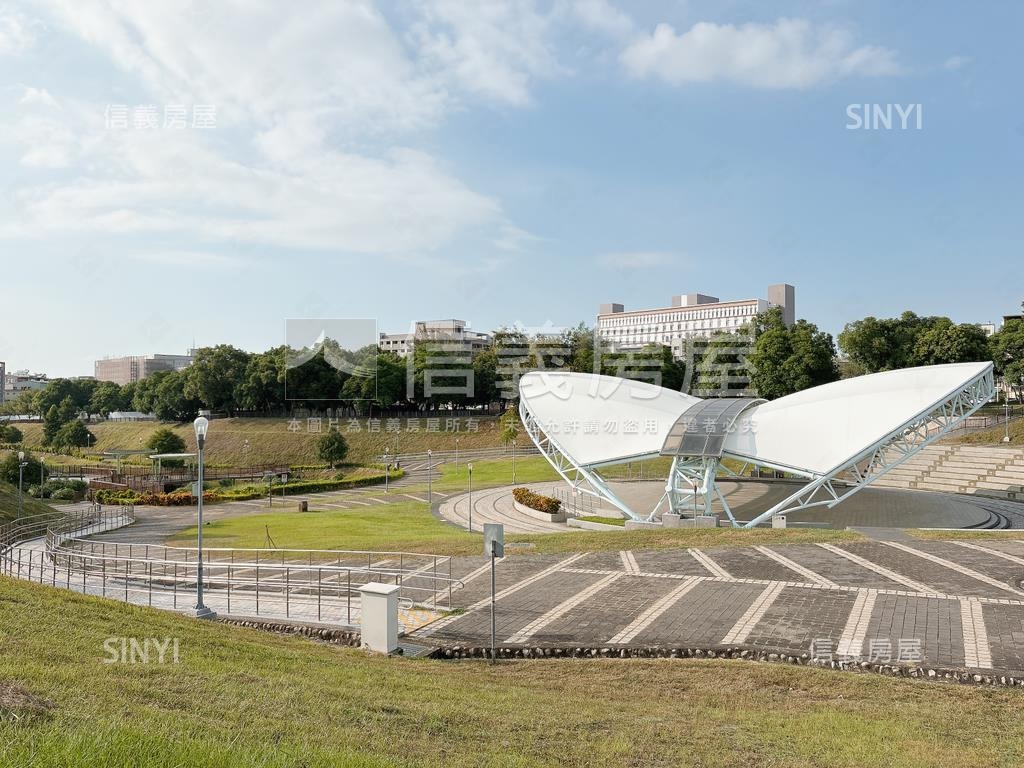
126	370
690	315
22	381
455	332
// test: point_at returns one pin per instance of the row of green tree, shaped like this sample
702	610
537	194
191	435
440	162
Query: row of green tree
768	356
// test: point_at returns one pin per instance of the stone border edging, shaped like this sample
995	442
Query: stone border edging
930	673
333	635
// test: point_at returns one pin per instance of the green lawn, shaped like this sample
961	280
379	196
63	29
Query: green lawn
239	698
410	527
488	473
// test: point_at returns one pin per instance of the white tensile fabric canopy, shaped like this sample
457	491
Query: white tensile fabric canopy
585	421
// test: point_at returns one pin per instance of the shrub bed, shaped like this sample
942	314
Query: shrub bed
244	493
544	504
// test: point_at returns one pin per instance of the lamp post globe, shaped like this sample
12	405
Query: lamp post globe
201	425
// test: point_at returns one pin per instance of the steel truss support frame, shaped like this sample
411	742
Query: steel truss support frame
582	479
689	477
899	445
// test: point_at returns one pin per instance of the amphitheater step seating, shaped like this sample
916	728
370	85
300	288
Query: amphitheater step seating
990	470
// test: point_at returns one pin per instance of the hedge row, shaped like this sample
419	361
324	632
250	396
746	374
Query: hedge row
111	496
536	501
179	499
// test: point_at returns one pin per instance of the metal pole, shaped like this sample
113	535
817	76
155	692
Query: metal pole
21	472
430	492
200	608
493	600
470	497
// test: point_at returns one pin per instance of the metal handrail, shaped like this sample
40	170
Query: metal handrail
70	559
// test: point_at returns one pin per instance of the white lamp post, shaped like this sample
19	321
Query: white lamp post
430	490
1006	408
513	462
21	471
201	425
469	466
387	469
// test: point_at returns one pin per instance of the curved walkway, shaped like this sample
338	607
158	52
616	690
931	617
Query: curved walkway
872	507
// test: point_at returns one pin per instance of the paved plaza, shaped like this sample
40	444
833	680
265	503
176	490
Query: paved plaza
941	603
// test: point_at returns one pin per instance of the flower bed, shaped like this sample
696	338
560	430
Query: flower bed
538	506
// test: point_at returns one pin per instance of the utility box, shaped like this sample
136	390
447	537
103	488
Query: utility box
779	521
379	617
303	506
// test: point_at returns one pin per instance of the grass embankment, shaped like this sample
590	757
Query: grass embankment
271	442
408	526
993	436
239	698
9	504
964	534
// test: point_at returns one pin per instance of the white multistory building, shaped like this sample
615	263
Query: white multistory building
691	315
453	333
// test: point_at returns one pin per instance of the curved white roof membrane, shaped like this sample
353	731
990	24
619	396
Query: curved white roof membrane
600	420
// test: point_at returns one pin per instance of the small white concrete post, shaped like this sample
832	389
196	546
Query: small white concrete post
778	521
379	617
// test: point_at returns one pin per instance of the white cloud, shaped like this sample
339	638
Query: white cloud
37	97
334	58
309	149
189	259
954	63
636	259
791	53
16	33
170	182
492	49
601	16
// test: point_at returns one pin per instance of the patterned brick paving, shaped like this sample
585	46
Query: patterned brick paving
751	600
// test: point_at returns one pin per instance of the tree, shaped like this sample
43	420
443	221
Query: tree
946	342
508	423
9	468
165	440
332	447
262	388
73	434
171	401
56	417
1007	348
788	359
10	434
215	377
108	397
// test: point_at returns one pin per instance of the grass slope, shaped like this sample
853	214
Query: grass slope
993	436
238	698
9	503
272	443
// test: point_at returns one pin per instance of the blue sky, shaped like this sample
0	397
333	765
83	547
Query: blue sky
500	162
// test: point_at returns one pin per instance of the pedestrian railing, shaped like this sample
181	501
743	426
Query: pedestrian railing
320	585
